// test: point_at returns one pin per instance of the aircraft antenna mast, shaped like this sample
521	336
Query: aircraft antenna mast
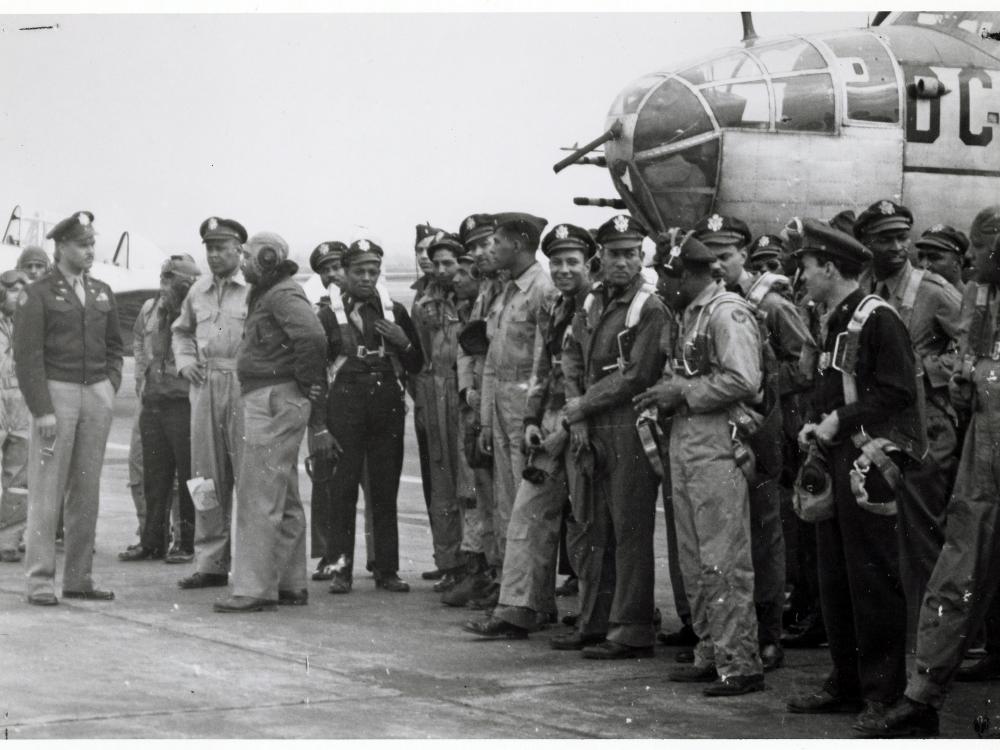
749	34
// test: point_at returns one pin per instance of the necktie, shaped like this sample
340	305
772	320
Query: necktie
80	293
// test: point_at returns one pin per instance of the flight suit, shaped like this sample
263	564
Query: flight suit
720	362
68	360
209	330
964	579
14	427
419	288
527	589
135	473
862	598
933	321
435	394
512	326
615	507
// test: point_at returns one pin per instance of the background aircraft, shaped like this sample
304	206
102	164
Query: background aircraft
908	109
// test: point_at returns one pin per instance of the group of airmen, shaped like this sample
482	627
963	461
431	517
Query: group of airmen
819	408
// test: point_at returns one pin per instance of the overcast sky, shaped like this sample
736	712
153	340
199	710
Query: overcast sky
316	125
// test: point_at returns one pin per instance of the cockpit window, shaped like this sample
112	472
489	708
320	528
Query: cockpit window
738	65
739	105
790	57
671	114
628	101
804	103
869	77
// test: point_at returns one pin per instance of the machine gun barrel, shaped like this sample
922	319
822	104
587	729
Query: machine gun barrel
617	203
611	134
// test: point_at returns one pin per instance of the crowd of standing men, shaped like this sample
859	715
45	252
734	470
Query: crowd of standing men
819	409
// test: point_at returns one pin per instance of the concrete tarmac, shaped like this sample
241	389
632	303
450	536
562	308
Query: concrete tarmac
159	663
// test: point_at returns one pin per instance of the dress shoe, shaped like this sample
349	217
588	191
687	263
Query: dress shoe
340	583
473	586
489	600
823	702
244	604
570	619
324	571
691	673
11	556
905	719
45	599
569	587
612	650
739	684
574	641
809	633
987	668
94	595
871	714
293	598
494	628
684	656
432	575
178	556
203	580
449	580
772	657
138	552
683	637
391	582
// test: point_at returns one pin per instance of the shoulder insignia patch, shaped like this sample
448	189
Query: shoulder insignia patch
739	316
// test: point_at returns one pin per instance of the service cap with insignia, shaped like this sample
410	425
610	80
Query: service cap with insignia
677	249
528	226
75	228
986	226
425	233
361	251
332	250
944	237
33	254
475	227
620	233
446	241
819	238
569	237
765	246
214	228
722	230
882	216
844	221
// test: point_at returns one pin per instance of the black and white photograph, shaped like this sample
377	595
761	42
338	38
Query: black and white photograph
501	370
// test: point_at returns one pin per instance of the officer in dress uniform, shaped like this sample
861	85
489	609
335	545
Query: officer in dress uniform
964	579
379	345
527	591
612	356
68	354
865	389
929	307
715	371
941	249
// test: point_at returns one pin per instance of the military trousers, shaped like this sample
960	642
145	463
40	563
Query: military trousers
767	551
83	421
166	459
270	520
14	429
437	396
217	439
135	473
476	494
527	588
964	581
681	604
712	513
367	412
509	403
618	532
420	430
860	592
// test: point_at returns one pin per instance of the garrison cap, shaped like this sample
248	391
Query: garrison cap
944	237
361	251
214	228
765	246
678	248
325	251
264	240
446	241
620	232
13	276
531	227
75	228
569	237
180	265
844	221
722	230
475	227
882	216
820	238
33	254
986	226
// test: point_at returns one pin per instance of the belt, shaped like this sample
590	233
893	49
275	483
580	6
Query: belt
387	376
221	364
